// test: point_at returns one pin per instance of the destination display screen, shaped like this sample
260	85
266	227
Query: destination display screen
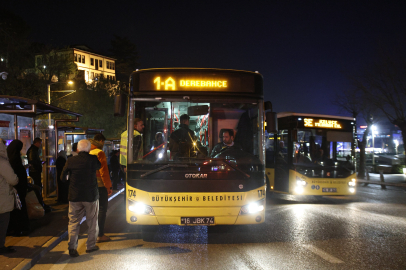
196	81
325	123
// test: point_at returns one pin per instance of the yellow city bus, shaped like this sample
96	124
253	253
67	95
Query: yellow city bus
164	187
311	154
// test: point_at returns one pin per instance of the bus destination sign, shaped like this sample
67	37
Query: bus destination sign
322	123
182	81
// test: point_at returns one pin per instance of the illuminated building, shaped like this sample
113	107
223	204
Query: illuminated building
90	65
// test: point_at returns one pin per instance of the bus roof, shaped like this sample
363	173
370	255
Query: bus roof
286	114
195	69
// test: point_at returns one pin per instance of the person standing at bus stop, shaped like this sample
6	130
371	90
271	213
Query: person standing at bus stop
104	183
35	169
8	179
80	171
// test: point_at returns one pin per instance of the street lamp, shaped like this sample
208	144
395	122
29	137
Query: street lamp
373	129
49	96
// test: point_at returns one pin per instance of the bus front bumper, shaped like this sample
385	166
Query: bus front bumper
174	215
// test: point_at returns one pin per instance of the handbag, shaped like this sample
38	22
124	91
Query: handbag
34	209
17	203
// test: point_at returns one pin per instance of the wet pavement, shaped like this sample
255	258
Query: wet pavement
367	231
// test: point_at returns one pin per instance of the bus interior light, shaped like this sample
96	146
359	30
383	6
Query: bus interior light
352	190
218	168
252	208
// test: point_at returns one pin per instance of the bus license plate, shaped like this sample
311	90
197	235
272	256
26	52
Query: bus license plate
197	220
329	189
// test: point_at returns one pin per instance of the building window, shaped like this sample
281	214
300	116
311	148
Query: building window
91	61
91	74
83	59
79	58
39	61
76	57
108	64
100	63
112	65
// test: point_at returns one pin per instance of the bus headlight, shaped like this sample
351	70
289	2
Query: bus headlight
301	183
140	208
253	207
352	182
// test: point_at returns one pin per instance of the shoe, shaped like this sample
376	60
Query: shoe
73	253
95	248
103	238
6	250
47	208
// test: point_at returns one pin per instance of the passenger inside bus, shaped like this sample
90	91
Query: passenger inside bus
183	142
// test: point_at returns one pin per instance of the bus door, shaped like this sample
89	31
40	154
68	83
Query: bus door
282	161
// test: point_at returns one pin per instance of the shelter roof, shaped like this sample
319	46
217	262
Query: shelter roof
76	128
28	107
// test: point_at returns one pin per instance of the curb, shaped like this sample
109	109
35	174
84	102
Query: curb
53	242
381	183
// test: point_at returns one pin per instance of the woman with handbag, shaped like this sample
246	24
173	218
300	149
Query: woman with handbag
8	179
19	222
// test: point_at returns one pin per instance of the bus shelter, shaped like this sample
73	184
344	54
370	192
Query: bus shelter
19	120
70	134
111	144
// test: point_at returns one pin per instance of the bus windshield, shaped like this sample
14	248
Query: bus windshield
188	132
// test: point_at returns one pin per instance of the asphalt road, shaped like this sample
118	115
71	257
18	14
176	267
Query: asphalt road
367	231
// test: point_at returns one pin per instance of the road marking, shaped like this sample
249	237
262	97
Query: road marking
63	261
324	255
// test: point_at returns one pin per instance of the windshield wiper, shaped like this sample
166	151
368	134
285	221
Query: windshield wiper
236	168
164	167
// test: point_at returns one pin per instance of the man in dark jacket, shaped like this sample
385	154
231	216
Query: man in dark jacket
183	140
83	197
35	161
228	143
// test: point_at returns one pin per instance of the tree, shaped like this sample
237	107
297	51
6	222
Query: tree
96	103
383	85
353	102
127	57
54	64
16	57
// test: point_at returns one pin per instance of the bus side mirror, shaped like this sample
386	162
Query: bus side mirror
119	105
271	122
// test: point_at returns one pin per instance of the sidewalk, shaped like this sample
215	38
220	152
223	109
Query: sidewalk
390	179
45	234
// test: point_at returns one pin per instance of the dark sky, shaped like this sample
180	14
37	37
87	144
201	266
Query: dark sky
300	47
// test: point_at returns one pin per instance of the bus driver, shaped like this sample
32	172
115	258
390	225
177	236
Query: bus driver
228	143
